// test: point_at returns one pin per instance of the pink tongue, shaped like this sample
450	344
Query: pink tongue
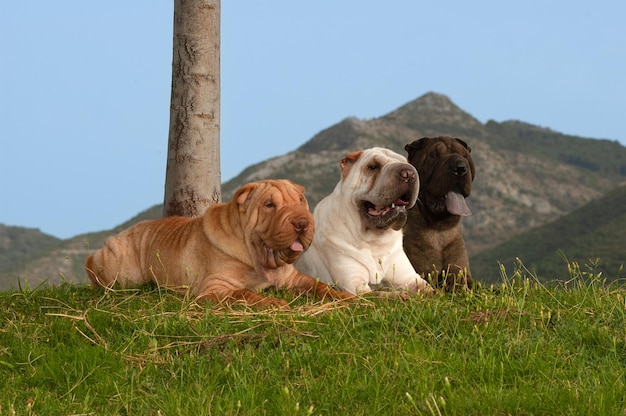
455	203
296	246
376	211
401	203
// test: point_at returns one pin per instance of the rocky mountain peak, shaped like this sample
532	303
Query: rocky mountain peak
433	108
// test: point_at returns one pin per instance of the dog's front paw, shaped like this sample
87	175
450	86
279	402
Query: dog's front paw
339	295
270	303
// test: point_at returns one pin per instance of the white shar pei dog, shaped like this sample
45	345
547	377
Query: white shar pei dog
358	227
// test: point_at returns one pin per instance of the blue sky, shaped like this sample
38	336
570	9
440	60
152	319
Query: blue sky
85	86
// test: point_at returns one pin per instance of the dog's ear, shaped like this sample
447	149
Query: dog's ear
242	194
469	149
300	188
348	161
297	186
416	145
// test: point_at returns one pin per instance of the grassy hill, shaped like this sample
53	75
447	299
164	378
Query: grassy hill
518	347
593	236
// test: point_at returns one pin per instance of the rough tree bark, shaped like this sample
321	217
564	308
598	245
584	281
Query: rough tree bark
193	178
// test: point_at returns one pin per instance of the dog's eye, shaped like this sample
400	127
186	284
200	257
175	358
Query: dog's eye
269	205
434	155
373	166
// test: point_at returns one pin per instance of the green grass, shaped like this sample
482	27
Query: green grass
519	347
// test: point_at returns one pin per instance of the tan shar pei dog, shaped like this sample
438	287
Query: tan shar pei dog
432	235
229	254
358	237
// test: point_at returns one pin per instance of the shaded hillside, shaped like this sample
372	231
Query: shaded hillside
602	156
592	236
19	245
526	176
49	259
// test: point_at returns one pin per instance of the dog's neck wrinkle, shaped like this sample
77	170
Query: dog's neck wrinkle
229	230
275	270
347	216
278	275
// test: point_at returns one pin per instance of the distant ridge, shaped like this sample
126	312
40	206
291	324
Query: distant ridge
18	245
527	176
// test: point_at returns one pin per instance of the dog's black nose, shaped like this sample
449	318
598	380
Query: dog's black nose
459	168
408	175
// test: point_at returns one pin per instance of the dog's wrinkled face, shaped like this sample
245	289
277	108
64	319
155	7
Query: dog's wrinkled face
446	172
381	185
276	219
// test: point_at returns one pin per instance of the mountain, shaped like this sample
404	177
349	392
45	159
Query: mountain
526	175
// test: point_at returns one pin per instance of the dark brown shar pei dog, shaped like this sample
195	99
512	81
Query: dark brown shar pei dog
432	234
234	250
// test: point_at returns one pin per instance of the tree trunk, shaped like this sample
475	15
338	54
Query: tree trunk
193	178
